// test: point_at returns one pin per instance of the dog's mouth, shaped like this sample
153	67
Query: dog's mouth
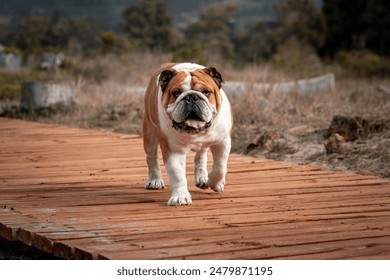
192	124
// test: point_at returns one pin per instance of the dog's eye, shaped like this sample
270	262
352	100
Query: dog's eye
176	94
207	93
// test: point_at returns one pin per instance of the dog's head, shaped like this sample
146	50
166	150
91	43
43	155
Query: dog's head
191	96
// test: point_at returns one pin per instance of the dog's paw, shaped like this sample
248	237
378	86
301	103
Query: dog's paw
181	198
201	182
219	187
155	184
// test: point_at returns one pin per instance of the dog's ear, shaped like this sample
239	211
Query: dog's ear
165	77
217	77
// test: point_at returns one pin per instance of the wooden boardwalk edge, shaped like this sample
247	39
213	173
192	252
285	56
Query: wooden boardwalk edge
79	194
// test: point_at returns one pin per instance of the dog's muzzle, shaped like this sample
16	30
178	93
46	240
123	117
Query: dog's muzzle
192	112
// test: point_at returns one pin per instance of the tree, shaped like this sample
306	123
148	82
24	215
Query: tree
357	25
28	32
345	25
257	43
76	34
299	25
37	31
300	19
148	23
213	32
378	33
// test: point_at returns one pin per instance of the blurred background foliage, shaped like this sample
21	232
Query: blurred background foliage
354	35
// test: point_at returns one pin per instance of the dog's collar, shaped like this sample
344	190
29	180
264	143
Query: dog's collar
189	129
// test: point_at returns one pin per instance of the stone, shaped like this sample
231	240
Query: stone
46	94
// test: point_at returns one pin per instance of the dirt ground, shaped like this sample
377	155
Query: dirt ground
367	154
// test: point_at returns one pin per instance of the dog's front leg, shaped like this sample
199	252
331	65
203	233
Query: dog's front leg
201	175
220	153
176	169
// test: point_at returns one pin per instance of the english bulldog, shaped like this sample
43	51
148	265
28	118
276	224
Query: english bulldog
186	109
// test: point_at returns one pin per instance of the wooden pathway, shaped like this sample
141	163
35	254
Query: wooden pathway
79	194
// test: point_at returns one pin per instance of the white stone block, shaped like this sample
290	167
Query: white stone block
46	94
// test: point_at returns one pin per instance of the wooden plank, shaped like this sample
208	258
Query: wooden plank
80	194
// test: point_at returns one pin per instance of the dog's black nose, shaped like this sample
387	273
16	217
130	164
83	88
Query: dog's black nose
191	98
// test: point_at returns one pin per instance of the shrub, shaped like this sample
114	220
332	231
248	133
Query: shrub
13	50
294	57
189	54
11	91
113	43
363	63
10	85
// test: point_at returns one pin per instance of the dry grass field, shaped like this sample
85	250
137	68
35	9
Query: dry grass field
289	127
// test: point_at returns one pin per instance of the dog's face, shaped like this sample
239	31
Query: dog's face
191	99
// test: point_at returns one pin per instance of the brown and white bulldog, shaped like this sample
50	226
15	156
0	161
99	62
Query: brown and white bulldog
186	109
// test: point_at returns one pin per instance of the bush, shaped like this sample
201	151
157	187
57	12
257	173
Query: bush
10	85
113	43
10	81
13	50
297	58
51	49
11	91
190	54
364	63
